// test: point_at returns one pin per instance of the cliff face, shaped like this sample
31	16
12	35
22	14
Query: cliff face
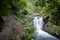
12	29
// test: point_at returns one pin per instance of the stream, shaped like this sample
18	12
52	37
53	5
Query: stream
39	33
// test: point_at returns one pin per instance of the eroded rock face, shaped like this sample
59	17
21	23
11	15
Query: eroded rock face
52	29
12	28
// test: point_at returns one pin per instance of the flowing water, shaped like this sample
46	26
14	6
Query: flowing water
39	33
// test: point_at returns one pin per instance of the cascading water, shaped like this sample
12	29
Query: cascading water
39	33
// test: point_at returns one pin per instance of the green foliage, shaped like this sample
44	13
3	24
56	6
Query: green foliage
55	17
29	27
5	7
47	6
19	3
30	7
44	7
50	8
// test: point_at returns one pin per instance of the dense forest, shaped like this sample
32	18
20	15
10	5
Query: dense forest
16	18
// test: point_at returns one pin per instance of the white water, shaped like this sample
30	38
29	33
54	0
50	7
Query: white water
39	33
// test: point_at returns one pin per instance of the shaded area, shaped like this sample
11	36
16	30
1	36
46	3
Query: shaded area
1	23
56	18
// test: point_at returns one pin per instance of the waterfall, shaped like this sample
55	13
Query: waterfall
39	33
